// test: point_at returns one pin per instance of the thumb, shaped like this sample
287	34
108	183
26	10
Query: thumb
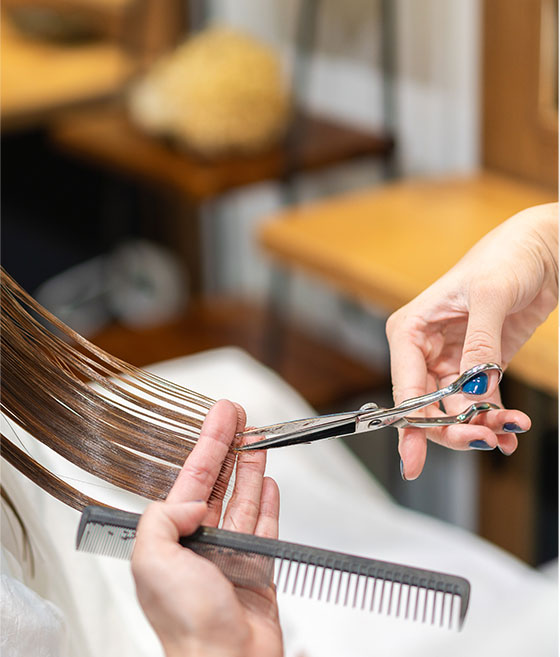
483	340
168	521
157	536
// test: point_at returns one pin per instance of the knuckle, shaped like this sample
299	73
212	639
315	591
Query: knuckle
390	324
148	517
394	322
268	510
198	474
483	290
402	393
251	460
480	343
153	509
248	507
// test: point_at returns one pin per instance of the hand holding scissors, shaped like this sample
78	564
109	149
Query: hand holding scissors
372	418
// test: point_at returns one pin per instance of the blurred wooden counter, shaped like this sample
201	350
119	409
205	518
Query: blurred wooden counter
386	245
39	77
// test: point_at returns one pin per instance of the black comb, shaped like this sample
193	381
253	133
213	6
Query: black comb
252	561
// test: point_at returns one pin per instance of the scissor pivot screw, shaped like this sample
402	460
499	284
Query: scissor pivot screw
370	406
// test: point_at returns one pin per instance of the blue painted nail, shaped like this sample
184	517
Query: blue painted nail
512	427
402	471
477	385
479	444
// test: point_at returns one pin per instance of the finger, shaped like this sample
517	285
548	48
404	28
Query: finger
506	423
507	443
464	436
267	523
243	509
504	420
156	546
216	500
412	450
499	422
203	466
409	377
408	362
162	524
483	338
241	417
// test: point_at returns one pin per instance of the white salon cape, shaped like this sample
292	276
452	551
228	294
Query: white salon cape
60	602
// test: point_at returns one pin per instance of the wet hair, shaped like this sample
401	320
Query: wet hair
116	421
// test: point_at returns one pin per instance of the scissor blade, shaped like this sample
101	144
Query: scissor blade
295	426
302	436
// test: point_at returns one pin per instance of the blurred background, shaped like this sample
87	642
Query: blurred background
280	176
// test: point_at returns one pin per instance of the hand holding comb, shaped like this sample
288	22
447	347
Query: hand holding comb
249	561
252	557
248	555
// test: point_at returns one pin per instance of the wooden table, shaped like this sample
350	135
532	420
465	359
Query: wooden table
386	245
39	77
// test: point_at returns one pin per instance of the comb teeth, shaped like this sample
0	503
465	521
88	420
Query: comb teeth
434	603
381	587
108	540
241	568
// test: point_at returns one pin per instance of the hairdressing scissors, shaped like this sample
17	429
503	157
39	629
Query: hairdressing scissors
370	417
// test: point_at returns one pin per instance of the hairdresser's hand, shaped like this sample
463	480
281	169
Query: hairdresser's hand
193	608
483	310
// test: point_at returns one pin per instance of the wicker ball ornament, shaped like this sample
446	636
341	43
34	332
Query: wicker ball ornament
222	91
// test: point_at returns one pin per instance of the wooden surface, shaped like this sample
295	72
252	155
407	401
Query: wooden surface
71	5
319	372
109	138
386	245
40	77
520	114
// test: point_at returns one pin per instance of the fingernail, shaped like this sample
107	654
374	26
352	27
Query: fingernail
477	385
402	471
512	427
480	444
504	452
